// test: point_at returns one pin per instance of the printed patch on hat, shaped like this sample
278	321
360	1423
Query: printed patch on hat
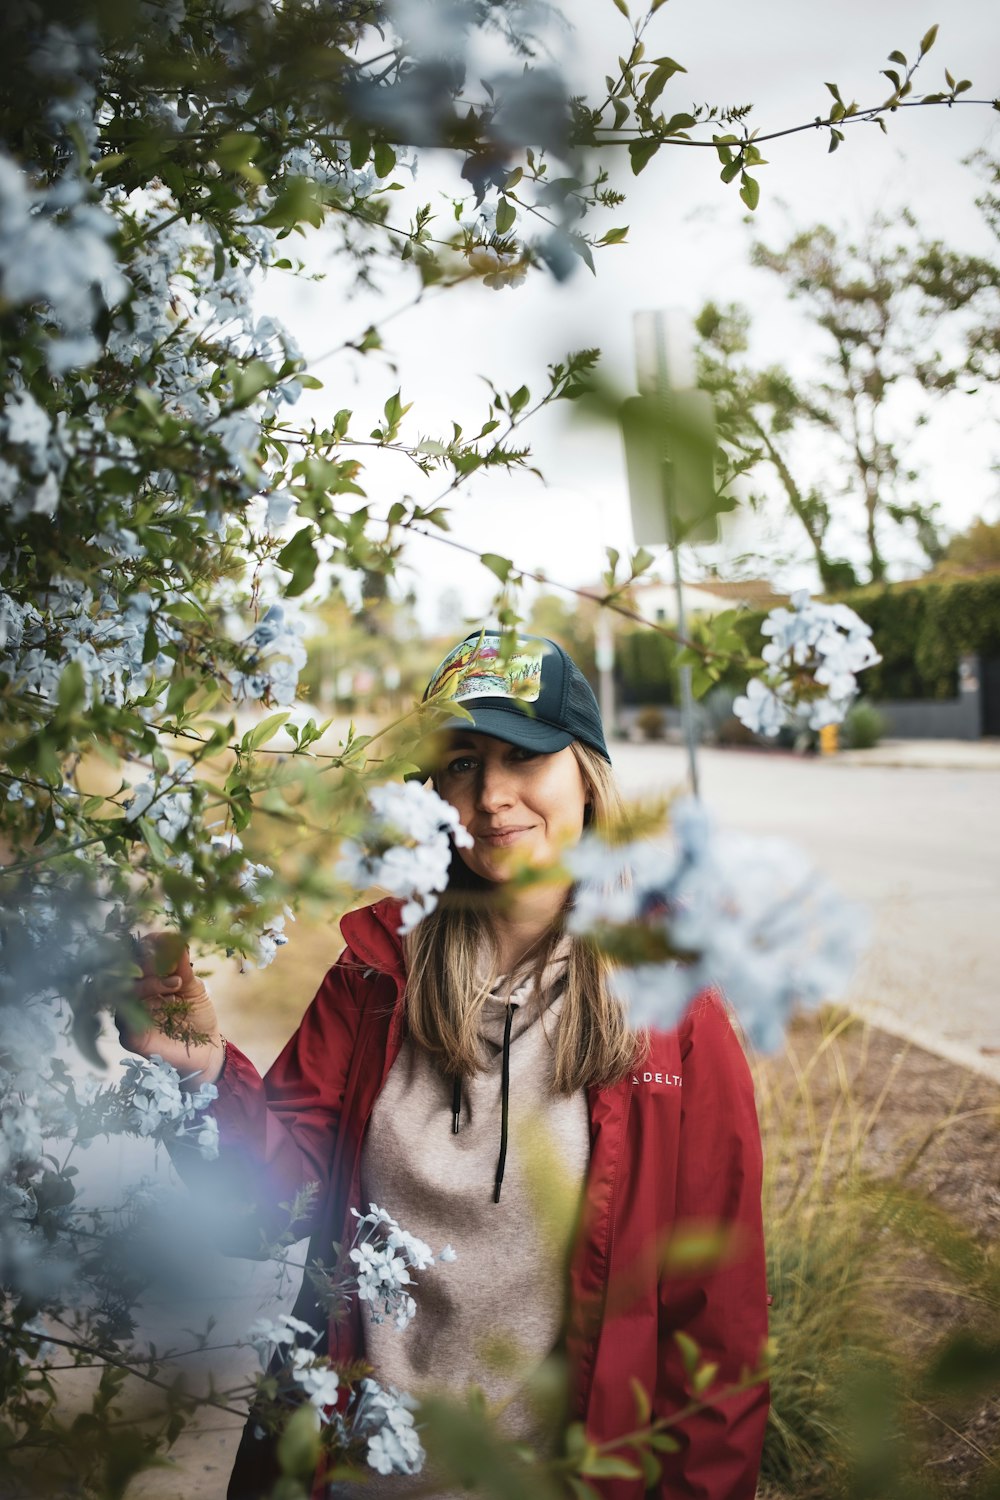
475	669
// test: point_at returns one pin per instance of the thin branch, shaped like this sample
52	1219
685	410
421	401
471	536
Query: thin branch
870	114
103	1357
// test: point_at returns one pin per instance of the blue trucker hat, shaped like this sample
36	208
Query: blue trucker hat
535	697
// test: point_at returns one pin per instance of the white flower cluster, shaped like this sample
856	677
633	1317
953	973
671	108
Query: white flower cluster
743	914
271	935
405	847
105	636
168	804
498	268
384	1255
814	654
385	1418
276	656
153	1103
313	1374
36	459
56	255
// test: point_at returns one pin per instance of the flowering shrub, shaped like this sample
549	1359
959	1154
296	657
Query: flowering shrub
405	848
360	1417
384	1255
163	520
812	659
744	914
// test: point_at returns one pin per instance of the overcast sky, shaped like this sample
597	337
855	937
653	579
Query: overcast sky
688	242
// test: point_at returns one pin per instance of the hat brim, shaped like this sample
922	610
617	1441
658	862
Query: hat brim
509	724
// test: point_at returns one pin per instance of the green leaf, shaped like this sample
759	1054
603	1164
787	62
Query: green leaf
835	91
126	1453
643	1406
606	1466
506	214
664	1443
614	236
928	39
299	201
298	1446
501	566
48	827
250	379
898	57
576	1440
72	689
659	78
235	152
154	843
384	158
581	1489
641	153
622	6
750	191
703	1378
264	731
690	1353
299	557
652	1469
518	400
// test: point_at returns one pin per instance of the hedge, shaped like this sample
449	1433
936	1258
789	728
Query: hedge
922	628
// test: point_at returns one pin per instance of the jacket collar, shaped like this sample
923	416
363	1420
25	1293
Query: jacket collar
372	934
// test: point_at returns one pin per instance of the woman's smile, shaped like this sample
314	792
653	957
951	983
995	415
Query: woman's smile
498	838
519	805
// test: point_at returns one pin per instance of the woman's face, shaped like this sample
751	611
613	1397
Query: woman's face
521	807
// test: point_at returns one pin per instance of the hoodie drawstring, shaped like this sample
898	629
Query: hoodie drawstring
456	1102
504	1100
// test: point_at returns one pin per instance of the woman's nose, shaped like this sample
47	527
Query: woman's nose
495	788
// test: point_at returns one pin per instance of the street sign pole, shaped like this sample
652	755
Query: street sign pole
665	366
604	651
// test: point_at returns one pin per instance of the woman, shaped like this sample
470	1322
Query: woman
427	1071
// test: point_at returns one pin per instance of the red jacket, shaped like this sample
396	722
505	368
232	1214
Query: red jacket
676	1143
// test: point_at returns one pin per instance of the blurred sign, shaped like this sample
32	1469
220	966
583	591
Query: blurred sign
670	455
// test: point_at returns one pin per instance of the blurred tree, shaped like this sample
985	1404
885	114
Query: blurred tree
757	413
977	547
872	301
970	284
571	622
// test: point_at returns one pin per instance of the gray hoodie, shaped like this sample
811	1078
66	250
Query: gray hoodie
491	1317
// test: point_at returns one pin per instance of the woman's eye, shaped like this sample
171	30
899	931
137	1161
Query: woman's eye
459	766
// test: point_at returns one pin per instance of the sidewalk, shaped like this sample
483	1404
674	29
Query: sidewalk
940	755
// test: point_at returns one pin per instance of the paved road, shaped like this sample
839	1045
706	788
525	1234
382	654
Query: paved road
920	845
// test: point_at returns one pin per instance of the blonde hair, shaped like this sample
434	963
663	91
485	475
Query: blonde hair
446	988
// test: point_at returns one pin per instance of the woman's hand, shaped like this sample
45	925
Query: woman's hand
181	1024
